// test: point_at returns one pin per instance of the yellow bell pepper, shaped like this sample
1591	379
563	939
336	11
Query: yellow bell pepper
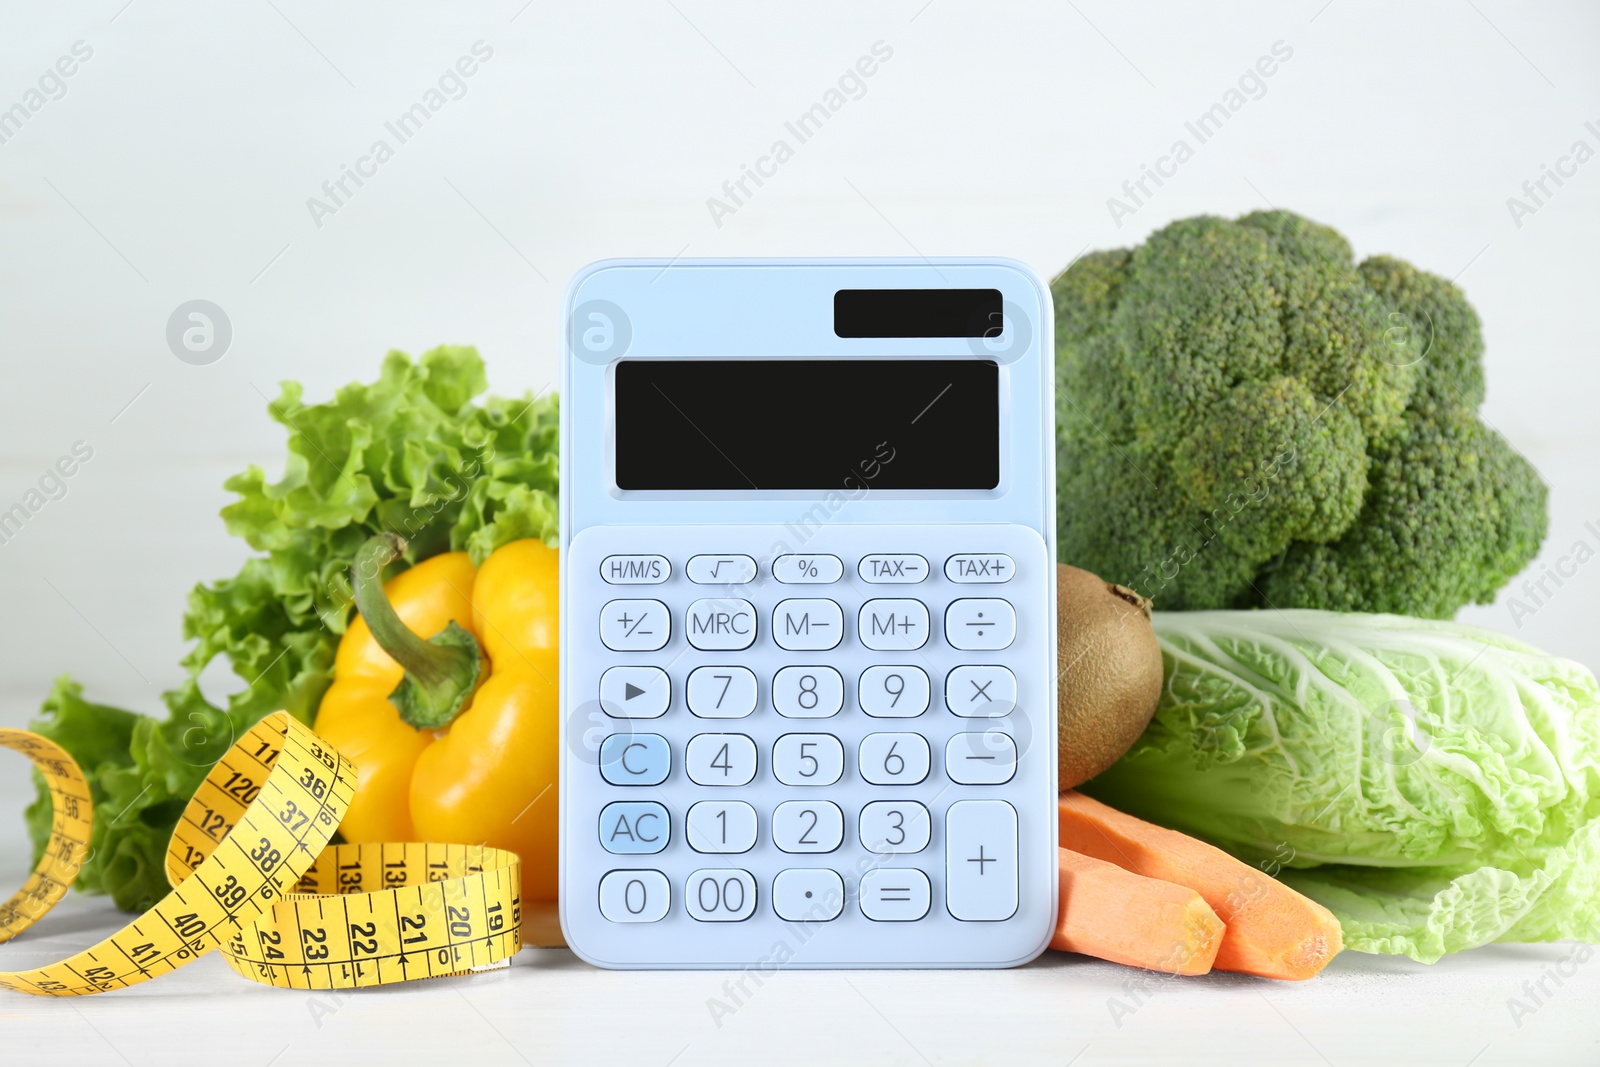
444	696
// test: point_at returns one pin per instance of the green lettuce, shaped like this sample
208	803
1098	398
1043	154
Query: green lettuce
414	453
1436	785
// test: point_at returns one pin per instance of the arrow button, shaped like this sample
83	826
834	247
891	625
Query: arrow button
635	692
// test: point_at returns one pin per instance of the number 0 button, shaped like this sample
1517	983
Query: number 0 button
894	759
635	896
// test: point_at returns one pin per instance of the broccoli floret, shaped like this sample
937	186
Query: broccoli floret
1248	418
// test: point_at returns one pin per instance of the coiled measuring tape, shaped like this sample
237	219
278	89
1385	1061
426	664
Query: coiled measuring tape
253	875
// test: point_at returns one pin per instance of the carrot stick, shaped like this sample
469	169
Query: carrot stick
1116	915
1272	931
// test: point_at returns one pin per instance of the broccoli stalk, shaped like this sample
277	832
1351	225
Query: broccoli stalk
1248	418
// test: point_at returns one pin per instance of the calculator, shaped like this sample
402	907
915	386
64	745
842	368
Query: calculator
808	668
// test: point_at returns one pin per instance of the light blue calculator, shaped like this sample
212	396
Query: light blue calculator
808	669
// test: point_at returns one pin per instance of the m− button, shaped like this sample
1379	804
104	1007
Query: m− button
807	625
721	625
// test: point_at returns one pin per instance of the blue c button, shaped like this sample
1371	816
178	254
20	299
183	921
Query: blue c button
635	759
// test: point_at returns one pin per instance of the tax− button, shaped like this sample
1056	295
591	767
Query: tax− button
635	759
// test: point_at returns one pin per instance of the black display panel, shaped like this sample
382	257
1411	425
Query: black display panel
917	313
856	424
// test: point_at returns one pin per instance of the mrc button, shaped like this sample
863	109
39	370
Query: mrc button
721	624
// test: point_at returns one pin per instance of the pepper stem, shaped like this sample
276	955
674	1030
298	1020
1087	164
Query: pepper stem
442	672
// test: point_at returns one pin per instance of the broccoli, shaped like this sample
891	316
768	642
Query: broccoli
1248	418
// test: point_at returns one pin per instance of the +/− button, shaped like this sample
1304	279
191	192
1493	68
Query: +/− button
635	625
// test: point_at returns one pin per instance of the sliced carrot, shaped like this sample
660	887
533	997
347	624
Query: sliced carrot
1272	931
1116	915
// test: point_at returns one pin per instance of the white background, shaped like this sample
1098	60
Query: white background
178	166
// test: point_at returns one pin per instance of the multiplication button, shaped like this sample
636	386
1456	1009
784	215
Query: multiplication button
635	625
980	691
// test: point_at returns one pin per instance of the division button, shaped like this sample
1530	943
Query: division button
635	692
807	570
980	842
980	624
721	570
721	625
635	570
884	569
889	895
634	826
807	625
979	567
800	895
635	625
635	896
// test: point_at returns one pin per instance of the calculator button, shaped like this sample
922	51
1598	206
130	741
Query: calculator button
982	624
721	826
807	826
635	692
894	759
893	692
635	896
635	570
807	625
635	759
895	827
720	570
720	759
807	692
807	570
800	895
983	691
892	569
893	625
807	759
721	692
980	859
980	757
630	826
635	625
722	624
985	567
714	896
889	895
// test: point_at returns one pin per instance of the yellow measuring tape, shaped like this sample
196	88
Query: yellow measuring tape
252	874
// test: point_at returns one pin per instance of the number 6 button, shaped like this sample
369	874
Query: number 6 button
894	759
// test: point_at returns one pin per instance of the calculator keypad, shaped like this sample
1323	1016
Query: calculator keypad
810	683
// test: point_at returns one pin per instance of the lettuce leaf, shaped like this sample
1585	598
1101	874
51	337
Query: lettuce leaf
1436	785
414	453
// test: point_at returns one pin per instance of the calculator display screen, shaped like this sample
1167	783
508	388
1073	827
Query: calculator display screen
845	424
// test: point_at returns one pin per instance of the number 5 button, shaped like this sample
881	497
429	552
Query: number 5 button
807	759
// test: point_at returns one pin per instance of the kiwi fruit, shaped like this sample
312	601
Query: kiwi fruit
1108	672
